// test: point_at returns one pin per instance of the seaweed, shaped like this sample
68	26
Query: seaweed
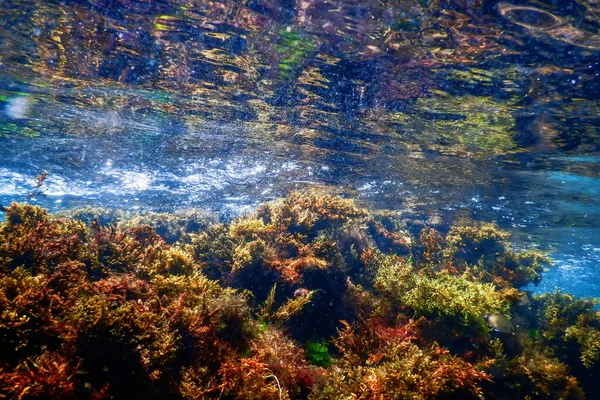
318	354
309	297
385	362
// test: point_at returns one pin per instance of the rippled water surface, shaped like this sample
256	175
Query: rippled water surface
449	109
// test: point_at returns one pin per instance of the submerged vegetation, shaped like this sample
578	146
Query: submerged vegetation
309	297
185	102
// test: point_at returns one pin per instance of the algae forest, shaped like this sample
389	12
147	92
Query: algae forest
299	199
309	297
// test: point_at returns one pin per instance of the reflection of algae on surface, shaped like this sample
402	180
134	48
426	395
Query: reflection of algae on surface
230	307
157	96
11	129
27	129
509	82
474	123
294	48
579	119
473	75
222	80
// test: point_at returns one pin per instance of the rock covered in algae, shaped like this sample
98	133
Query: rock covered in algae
252	309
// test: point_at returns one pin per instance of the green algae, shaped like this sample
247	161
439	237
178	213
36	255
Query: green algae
318	354
442	296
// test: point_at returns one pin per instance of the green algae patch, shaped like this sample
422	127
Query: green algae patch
442	295
318	354
309	297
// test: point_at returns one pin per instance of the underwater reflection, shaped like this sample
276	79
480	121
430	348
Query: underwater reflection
540	21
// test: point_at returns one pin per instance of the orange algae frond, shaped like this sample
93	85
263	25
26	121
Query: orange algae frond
384	362
30	238
48	375
247	378
305	213
120	305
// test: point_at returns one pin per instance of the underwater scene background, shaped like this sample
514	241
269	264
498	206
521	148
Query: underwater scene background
324	199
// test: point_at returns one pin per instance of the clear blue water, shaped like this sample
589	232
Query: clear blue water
454	111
